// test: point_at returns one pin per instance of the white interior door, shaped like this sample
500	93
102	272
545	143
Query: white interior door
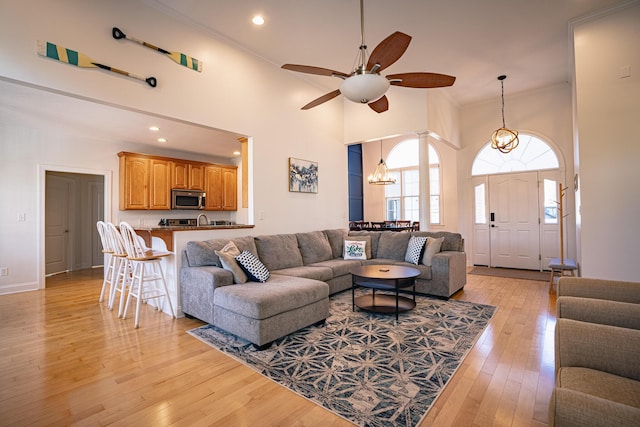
514	220
58	193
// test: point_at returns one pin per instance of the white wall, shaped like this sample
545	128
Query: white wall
545	113
236	92
608	117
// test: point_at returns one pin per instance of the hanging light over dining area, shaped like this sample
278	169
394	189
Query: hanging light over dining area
381	175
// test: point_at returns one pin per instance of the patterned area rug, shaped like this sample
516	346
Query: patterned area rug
365	367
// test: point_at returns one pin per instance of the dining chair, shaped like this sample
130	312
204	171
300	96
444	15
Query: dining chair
415	226
389	224
377	225
147	277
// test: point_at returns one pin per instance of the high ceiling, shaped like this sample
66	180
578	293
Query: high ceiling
476	41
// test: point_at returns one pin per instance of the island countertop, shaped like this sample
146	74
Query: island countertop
165	232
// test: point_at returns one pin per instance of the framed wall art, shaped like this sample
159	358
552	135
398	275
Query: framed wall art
303	176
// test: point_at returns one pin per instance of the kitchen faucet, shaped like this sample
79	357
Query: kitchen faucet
205	218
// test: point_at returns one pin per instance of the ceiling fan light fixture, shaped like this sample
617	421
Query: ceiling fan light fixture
364	88
381	175
504	139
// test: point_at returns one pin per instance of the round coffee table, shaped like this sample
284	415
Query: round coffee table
387	278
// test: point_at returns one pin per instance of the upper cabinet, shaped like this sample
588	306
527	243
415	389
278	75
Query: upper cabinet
221	186
146	182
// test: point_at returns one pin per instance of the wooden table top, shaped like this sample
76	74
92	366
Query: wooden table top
385	272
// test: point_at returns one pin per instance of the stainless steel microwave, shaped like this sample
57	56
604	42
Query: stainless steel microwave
187	199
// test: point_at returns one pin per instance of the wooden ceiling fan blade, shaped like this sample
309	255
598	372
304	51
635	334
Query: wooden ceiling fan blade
314	70
381	105
421	80
322	99
389	50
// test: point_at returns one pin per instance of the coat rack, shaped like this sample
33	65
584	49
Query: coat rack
561	266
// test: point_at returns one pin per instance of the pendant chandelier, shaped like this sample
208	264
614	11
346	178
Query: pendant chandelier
504	139
381	175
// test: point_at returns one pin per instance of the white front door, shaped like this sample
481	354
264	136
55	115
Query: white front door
514	220
58	192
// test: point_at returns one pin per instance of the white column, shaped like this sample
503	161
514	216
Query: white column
423	162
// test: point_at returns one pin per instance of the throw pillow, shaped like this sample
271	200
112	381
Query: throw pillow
415	249
433	247
251	265
367	246
354	249
227	259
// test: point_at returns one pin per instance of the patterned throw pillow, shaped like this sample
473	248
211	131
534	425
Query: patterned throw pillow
354	249
255	270
415	249
227	258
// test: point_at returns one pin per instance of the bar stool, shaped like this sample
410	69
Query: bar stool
107	250
121	266
147	278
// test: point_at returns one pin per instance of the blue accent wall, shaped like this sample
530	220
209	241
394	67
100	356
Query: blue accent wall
356	197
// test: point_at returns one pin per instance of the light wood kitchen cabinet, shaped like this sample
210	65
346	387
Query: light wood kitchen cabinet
146	182
134	182
159	184
221	186
187	176
196	176
180	176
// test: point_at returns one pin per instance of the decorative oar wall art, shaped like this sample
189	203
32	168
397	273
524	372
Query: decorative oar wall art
177	57
59	53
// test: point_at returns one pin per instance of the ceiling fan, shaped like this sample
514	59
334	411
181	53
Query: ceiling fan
365	84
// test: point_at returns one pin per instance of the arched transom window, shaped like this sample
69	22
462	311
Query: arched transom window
532	154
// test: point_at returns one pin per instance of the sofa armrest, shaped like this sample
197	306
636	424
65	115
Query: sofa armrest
449	270
602	347
196	289
614	290
571	408
604	312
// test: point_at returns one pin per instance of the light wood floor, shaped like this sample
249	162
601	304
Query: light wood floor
66	359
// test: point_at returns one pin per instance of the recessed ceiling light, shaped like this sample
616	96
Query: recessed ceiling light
154	128
236	153
162	139
257	20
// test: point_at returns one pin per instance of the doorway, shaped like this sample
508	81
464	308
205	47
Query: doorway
71	201
515	196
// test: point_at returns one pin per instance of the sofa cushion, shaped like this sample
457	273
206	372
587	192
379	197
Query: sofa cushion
227	257
201	253
263	300
393	245
251	265
415	249
279	251
308	272
314	247
339	267
452	241
375	239
600	384
336	241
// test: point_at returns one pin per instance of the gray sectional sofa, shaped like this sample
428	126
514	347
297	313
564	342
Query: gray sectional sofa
597	347
305	269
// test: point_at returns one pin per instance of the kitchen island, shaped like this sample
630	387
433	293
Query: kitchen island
165	232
